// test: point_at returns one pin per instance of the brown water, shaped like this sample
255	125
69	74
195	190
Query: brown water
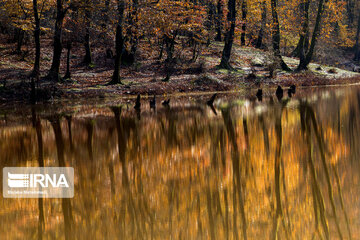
253	170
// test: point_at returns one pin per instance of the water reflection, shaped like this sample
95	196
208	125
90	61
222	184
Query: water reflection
232	170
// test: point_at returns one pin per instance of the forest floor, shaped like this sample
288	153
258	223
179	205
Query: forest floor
146	75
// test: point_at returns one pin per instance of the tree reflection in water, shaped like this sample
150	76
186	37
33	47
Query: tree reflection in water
286	170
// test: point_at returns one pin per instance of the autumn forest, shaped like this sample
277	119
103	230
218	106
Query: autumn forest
68	48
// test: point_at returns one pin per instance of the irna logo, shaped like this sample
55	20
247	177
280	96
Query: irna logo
35	182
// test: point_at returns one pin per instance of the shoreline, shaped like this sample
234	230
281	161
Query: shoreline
251	71
115	97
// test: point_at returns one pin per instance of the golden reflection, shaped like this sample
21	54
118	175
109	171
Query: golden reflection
289	171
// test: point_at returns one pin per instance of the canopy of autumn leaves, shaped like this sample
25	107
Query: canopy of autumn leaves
152	20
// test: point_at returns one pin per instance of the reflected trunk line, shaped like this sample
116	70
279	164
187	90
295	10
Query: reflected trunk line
304	160
110	156
320	141
230	129
277	167
142	204
286	203
90	181
122	145
356	152
171	206
316	212
122	218
112	190
41	223
235	232
212	109
247	147
152	227
209	209
90	201
352	121
112	179
218	206
226	212
133	149
265	135
215	151
236	168
241	201
140	207
110	165
122	137
317	197
131	203
171	136
138	114
222	148
150	216
189	207
90	131
55	122
69	121
65	202
341	200
199	223
339	121
137	139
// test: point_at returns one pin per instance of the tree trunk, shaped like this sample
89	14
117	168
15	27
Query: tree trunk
170	47
134	37
219	14
55	65
119	43
243	27
276	36
350	7
161	49
36	70
211	16
303	44
229	39
304	61
41	224
356	47
65	203
68	74
87	58
106	12
263	25
20	39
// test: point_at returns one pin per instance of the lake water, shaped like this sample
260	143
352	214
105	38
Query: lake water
243	170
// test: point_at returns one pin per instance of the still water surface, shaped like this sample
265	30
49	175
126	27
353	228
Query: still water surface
243	170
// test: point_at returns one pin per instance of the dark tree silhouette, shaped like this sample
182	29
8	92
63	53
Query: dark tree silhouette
276	36
229	39
36	70
119	43
305	60
356	47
